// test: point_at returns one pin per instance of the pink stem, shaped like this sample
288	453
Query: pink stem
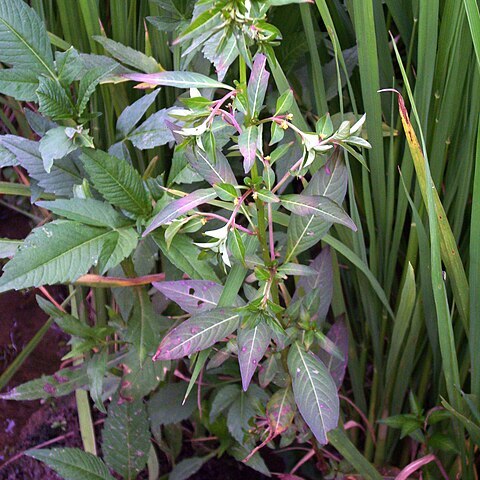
417	464
303	460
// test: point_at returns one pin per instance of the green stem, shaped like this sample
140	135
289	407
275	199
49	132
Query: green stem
83	404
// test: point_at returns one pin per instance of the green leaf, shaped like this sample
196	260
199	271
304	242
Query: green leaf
62	251
19	84
118	182
126	438
184	255
177	79
317	206
224	397
166	407
142	328
69	66
188	467
88	83
198	333
23	39
8	248
86	210
72	463
128	56
315	392
96	369
284	102
59	384
53	99
134	112
54	145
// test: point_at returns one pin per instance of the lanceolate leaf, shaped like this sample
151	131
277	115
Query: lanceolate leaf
315	392
86	210
23	38
73	463
19	84
318	206
338	334
247	143
52	98
153	132
177	79
180	207
213	171
142	328
88	84
126	438
252	345
198	333
257	85
117	181
193	296
323	281
280	411
62	251
134	112
305	231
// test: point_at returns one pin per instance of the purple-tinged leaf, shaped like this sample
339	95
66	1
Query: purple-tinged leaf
213	171
257	85
317	206
197	333
338	335
247	143
305	231
323	281
223	58
252	345
193	296
180	207
280	411
315	392
176	79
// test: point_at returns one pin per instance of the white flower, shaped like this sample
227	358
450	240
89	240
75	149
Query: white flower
220	246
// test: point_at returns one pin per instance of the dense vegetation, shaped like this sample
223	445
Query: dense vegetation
300	184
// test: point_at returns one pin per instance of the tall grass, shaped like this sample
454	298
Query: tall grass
414	329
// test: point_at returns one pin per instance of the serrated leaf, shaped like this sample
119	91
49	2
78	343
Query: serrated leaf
7	158
88	83
52	99
193	296
247	144
134	112
184	255
117	181
252	345
69	66
24	41
86	210
257	85
180	207
166	407
304	232
59	384
177	79
338	335
315	392
198	333
323	281
153	132
128	55
318	206
214	171
142	328
72	463
19	84
62	251
126	438
96	369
